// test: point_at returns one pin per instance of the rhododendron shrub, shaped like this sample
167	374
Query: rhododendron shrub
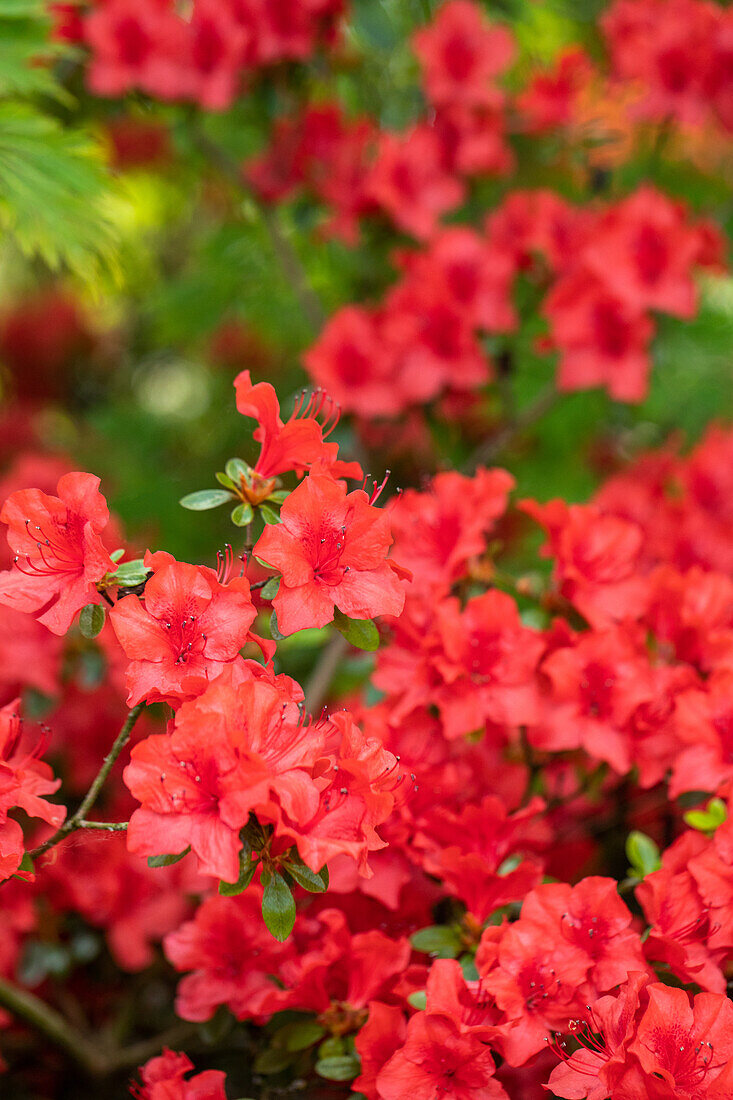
376	738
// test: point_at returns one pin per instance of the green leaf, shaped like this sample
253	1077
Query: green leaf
117	554
709	819
509	864
306	878
438	940
128	574
361	633
343	1068
332	1047
300	1035
274	628
242	515
271	589
643	854
272	1061
247	868
278	907
26	864
24	38
269	515
224	480
468	966
54	191
92	619
205	499
279	496
236	470
167	860
418	1000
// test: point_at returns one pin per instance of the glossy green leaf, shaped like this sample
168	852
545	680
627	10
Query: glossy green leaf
92	619
643	854
309	880
242	515
269	515
438	940
343	1068
271	589
205	499
361	633
167	860
278	907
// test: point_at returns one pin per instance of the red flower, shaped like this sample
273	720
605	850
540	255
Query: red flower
643	250
437	531
684	923
359	781
593	917
217	48
24	780
687	1046
59	555
470	273
331	548
239	747
597	560
438	1059
231	955
549	100
468	852
409	182
669	48
188	628
534	979
379	1038
164	1078
135	44
596	684
601	1062
704	727
602	339
297	443
461	54
488	666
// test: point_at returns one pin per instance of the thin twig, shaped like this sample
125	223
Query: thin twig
287	257
96	1061
107	826
78	819
316	688
41	1017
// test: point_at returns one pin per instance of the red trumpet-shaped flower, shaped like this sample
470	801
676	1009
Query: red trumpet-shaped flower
24	780
59	555
165	1078
184	633
298	442
331	549
240	747
438	1060
687	1046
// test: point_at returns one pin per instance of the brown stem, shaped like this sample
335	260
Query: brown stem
78	819
287	257
96	1061
41	1017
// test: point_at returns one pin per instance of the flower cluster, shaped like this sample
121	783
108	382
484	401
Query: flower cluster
425	792
206	54
601	275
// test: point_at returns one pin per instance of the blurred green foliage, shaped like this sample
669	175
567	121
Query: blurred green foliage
162	257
